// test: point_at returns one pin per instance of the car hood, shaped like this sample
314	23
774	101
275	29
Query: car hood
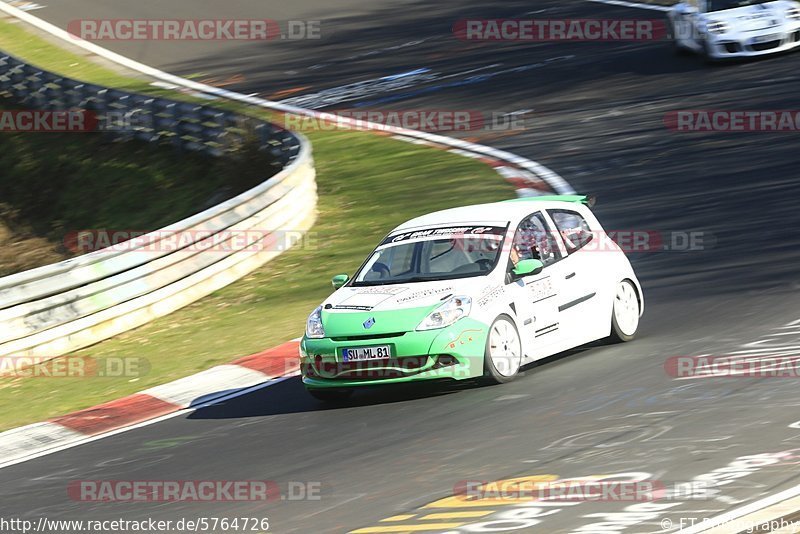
752	18
376	310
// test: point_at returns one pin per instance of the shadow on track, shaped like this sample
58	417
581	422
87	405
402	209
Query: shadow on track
290	396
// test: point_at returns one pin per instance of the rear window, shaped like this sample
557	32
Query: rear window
572	228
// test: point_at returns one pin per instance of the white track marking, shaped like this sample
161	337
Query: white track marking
184	391
26	6
637	5
18	442
722	524
83	440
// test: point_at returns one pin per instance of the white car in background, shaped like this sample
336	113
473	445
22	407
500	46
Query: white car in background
472	292
720	29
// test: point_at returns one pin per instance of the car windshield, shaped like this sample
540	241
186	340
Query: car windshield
722	5
433	254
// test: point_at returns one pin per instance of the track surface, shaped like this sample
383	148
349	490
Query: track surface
598	121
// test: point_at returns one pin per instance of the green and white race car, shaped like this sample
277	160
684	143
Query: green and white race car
472	292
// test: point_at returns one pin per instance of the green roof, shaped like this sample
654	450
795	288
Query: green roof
582	199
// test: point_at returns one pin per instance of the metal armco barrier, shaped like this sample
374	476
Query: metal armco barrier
55	309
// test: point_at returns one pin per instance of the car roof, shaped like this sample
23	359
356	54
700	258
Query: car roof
494	213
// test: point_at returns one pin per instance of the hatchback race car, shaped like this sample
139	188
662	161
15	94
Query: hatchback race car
720	29
472	292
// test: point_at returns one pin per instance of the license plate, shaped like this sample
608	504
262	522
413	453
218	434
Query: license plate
766	38
377	352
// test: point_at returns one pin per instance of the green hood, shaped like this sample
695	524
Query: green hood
343	323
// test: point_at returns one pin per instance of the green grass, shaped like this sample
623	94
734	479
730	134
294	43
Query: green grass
367	184
54	185
17	39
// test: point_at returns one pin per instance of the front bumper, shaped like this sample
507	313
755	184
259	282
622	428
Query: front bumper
455	352
744	44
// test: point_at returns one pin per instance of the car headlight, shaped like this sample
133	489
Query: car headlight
793	13
717	27
314	324
446	314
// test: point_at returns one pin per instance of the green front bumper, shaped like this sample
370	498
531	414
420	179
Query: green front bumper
455	352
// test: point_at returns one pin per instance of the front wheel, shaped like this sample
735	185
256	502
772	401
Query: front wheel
708	55
503	355
330	395
625	315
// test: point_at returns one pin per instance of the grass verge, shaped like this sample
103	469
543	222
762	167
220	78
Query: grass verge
367	184
54	185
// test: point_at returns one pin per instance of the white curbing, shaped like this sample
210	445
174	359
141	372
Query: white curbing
61	438
507	172
188	391
20	442
737	519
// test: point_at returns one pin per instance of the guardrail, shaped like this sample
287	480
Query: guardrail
128	115
55	309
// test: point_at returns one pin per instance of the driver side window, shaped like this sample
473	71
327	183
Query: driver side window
534	240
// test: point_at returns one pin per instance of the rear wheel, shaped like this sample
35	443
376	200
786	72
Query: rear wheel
331	395
625	315
503	355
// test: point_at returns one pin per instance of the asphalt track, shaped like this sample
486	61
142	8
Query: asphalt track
598	120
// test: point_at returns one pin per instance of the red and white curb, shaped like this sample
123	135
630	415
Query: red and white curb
251	372
186	394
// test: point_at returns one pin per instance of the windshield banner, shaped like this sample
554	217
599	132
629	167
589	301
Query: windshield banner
488	232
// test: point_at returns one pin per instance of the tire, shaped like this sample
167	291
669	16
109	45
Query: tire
330	395
707	57
502	356
625	312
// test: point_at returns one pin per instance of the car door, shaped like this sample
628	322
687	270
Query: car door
584	271
536	295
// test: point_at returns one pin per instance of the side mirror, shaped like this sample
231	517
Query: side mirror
528	267
686	9
339	280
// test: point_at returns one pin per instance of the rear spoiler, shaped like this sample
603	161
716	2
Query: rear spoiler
586	200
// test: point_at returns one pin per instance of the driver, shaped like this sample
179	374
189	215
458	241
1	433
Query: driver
528	243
